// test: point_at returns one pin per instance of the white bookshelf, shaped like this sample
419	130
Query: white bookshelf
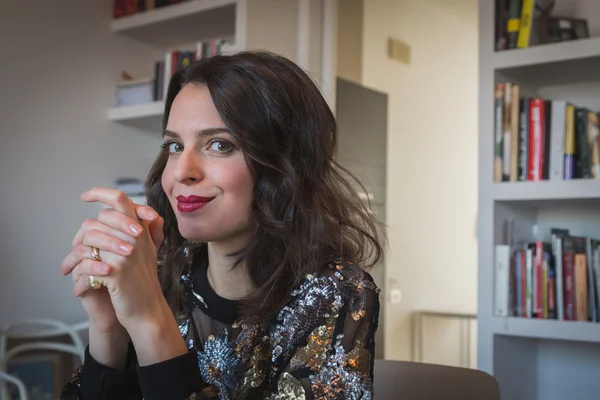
579	331
536	359
146	116
246	24
180	23
546	54
545	190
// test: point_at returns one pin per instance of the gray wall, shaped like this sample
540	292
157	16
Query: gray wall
362	116
59	65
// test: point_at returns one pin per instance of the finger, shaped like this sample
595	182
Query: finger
105	242
78	255
119	221
90	267
156	231
116	199
146	213
83	285
93	224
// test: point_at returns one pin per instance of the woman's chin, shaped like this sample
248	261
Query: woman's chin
195	234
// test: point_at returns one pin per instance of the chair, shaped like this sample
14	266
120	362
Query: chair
38	334
4	377
415	381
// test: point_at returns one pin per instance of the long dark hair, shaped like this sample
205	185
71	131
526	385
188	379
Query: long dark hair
307	210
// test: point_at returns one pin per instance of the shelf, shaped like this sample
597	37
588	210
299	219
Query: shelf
144	116
551	64
186	22
576	189
580	331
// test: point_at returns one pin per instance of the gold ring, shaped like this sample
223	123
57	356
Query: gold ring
96	254
94	283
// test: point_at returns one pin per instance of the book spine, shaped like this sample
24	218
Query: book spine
523	294
557	141
498	131
560	304
569	167
582	159
523	138
552	310
569	285
502	261
501	24
536	138
507	131
539	280
547	135
594	144
526	22
581	295
514	134
514	22
529	285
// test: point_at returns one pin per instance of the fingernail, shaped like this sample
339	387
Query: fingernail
104	269
135	229
126	248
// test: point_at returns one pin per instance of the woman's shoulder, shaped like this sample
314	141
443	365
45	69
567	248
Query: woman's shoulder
337	284
322	299
349	278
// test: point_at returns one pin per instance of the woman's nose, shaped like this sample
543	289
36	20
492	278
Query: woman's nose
189	167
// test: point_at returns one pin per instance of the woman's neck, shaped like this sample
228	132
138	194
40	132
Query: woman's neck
227	282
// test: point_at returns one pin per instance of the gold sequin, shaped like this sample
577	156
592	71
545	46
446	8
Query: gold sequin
319	342
289	388
359	359
256	375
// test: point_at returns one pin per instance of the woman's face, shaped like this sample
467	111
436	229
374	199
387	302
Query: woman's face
206	178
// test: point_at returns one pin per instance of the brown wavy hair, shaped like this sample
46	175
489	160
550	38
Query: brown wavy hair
307	210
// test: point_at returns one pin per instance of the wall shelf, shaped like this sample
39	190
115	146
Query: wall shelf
186	22
548	329
143	116
584	189
547	54
551	64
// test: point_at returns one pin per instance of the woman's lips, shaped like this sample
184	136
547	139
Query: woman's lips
192	203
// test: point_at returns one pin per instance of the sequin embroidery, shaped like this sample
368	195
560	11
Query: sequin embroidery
299	351
288	388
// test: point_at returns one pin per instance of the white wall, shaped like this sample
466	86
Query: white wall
58	68
350	20
431	159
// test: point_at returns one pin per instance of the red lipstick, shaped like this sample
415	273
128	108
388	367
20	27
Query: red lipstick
192	203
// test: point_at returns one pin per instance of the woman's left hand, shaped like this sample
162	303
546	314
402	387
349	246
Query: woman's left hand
133	283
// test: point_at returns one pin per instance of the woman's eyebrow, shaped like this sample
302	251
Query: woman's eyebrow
201	132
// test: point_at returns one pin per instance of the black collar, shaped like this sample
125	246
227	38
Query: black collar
205	298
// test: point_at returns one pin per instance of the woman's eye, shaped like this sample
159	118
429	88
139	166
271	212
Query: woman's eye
173	147
221	146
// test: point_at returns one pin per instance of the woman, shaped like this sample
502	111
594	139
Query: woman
238	280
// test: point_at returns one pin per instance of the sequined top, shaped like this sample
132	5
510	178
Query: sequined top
319	346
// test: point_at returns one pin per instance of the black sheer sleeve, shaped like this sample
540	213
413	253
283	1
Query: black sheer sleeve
175	379
95	381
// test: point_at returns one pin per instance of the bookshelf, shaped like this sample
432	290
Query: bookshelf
545	191
147	116
548	329
245	24
536	358
181	23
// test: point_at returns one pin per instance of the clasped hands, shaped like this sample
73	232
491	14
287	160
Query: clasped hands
127	236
